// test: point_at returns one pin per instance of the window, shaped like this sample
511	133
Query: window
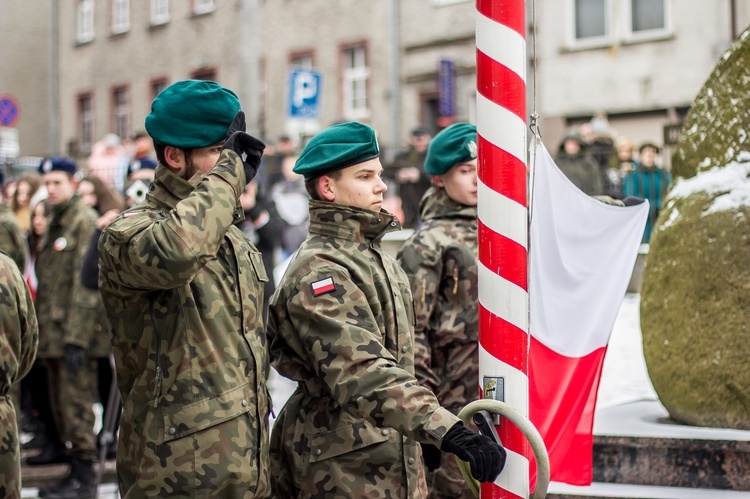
85	122
301	61
157	85
85	21
354	82
204	74
203	6
591	20
647	19
120	16
159	12
121	111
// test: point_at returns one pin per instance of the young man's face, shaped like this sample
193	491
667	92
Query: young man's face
201	160
360	186
460	183
60	187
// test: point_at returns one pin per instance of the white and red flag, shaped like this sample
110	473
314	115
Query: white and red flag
582	253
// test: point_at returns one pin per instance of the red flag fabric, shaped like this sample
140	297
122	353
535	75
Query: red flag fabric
582	253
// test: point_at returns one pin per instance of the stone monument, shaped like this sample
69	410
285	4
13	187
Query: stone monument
695	298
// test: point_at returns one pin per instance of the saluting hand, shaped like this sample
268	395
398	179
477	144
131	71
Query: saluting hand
247	147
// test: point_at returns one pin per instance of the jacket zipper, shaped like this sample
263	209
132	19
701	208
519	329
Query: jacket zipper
159	373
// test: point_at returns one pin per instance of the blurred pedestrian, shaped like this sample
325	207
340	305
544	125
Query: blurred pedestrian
648	181
11	235
574	161
440	260
290	199
620	165
273	162
183	289
66	325
108	160
27	185
18	343
341	325
407	171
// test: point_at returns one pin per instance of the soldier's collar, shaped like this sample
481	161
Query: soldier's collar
349	222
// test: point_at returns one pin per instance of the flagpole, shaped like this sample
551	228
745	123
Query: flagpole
503	228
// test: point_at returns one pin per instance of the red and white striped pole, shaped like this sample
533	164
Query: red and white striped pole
503	228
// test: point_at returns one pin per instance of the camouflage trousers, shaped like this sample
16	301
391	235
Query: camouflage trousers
447	482
10	451
71	397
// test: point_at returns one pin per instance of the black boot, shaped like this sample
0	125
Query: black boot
39	441
79	484
53	453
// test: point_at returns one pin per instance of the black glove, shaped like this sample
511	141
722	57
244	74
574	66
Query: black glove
75	356
431	456
632	201
247	147
482	453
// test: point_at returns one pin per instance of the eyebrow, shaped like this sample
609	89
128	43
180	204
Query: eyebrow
365	170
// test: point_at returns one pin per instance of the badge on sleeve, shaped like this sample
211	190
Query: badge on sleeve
323	286
60	243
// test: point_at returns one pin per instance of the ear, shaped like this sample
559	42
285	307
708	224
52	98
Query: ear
438	180
325	188
175	158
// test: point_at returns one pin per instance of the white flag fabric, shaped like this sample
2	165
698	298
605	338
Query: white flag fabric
582	253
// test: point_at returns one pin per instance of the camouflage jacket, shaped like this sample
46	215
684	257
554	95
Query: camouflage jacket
19	334
65	308
441	262
183	289
18	343
11	237
341	324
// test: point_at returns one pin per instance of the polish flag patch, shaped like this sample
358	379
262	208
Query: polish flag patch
323	286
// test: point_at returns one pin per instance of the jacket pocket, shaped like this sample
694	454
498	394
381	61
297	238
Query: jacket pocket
345	439
190	418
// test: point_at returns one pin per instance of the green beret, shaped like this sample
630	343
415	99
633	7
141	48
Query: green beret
337	147
191	114
453	145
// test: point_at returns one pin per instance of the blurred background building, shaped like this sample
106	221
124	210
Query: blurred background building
80	69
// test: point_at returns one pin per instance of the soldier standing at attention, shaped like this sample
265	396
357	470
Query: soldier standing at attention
18	343
441	262
66	313
183	289
341	324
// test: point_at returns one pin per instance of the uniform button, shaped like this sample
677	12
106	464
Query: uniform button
172	430
318	452
244	403
404	349
411	460
393	224
384	432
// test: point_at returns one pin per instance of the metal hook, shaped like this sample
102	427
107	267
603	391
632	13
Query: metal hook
534	125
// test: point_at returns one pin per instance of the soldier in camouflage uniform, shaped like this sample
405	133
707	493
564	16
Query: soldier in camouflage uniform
341	325
441	262
18	342
183	289
11	236
65	310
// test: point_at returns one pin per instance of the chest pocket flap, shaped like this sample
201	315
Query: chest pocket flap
260	270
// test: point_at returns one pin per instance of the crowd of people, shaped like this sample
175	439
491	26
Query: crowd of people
600	165
147	276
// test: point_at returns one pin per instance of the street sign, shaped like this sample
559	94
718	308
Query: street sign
10	110
447	88
305	88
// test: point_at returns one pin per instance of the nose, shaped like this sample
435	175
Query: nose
382	186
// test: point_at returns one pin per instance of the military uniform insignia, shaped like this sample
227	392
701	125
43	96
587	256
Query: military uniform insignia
60	243
472	147
47	166
323	286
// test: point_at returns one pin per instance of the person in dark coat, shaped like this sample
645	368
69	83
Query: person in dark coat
578	166
648	181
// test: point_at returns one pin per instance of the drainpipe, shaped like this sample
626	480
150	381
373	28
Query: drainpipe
395	76
54	80
250	46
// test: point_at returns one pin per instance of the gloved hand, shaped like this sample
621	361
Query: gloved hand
75	356
632	201
245	145
482	453
431	456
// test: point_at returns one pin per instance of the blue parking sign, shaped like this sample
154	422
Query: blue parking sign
305	87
